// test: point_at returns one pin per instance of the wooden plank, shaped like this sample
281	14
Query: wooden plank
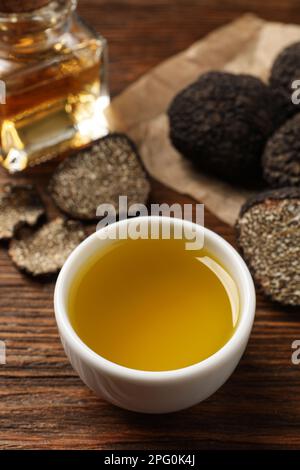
43	404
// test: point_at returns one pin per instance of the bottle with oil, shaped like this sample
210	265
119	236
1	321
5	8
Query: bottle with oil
54	71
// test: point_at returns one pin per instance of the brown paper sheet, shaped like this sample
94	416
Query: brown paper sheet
247	45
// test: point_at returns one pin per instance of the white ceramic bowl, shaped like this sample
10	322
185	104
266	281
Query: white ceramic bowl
156	392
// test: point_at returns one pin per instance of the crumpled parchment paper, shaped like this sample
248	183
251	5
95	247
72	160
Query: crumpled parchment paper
247	45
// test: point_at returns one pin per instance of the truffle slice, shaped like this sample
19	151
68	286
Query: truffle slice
268	232
286	69
99	174
19	205
222	121
43	252
281	158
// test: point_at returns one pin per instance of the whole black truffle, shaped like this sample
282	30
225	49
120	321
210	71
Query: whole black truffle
281	158
286	69
222	121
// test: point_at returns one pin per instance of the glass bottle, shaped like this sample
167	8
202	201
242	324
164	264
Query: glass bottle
54	69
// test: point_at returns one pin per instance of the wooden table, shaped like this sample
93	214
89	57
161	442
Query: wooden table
43	404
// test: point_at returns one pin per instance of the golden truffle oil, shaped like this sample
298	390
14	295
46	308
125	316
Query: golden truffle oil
152	305
54	70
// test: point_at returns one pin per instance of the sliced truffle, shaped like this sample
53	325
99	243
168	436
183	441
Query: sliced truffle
99	174
43	252
19	205
281	158
285	70
222	121
268	232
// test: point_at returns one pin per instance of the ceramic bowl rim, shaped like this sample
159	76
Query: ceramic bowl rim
237	340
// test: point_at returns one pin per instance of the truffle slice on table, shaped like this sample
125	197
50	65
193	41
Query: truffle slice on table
281	158
43	252
268	232
99	174
19	205
221	123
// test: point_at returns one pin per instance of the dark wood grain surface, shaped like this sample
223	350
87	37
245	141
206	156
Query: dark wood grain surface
43	404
